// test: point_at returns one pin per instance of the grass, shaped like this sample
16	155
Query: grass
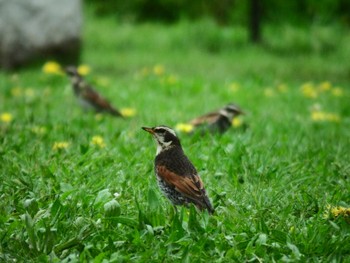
271	184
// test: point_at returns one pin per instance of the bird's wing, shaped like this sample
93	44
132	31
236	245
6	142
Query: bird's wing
205	119
100	103
190	186
95	98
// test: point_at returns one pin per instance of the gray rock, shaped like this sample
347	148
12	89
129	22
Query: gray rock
31	29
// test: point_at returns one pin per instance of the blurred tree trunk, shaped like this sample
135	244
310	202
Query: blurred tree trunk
221	11
255	20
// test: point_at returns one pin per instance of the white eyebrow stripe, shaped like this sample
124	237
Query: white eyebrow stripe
224	113
232	108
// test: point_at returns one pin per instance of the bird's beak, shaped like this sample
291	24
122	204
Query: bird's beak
150	130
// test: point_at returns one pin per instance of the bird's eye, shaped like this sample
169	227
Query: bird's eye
160	131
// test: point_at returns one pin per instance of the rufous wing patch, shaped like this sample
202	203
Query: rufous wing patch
190	186
205	119
96	99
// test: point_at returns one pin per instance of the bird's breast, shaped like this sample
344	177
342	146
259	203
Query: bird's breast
175	161
85	104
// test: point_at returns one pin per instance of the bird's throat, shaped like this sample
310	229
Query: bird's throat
163	146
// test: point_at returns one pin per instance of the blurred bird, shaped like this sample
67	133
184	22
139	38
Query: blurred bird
217	121
177	177
87	96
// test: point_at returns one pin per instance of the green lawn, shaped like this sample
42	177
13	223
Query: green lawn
280	187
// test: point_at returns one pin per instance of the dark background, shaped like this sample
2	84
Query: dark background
227	12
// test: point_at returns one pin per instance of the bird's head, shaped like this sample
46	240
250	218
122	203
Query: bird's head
75	78
164	136
231	110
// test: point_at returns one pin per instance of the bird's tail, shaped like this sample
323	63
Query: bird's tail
205	204
116	113
209	206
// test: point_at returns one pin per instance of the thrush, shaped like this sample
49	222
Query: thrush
87	96
177	178
217	121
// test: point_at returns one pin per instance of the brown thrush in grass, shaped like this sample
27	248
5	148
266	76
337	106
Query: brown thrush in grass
177	177
87	96
217	121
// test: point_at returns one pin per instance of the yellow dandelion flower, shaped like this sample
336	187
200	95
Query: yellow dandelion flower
16	91
234	87
170	80
103	81
60	145
158	70
337	92
128	112
52	67
84	69
39	130
340	211
98	141
318	116
184	127
269	92
337	211
29	92
332	117
325	86
283	88
237	122
6	117
308	90
307	85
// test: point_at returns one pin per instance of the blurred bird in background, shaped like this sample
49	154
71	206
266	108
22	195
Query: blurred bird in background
87	96
217	121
